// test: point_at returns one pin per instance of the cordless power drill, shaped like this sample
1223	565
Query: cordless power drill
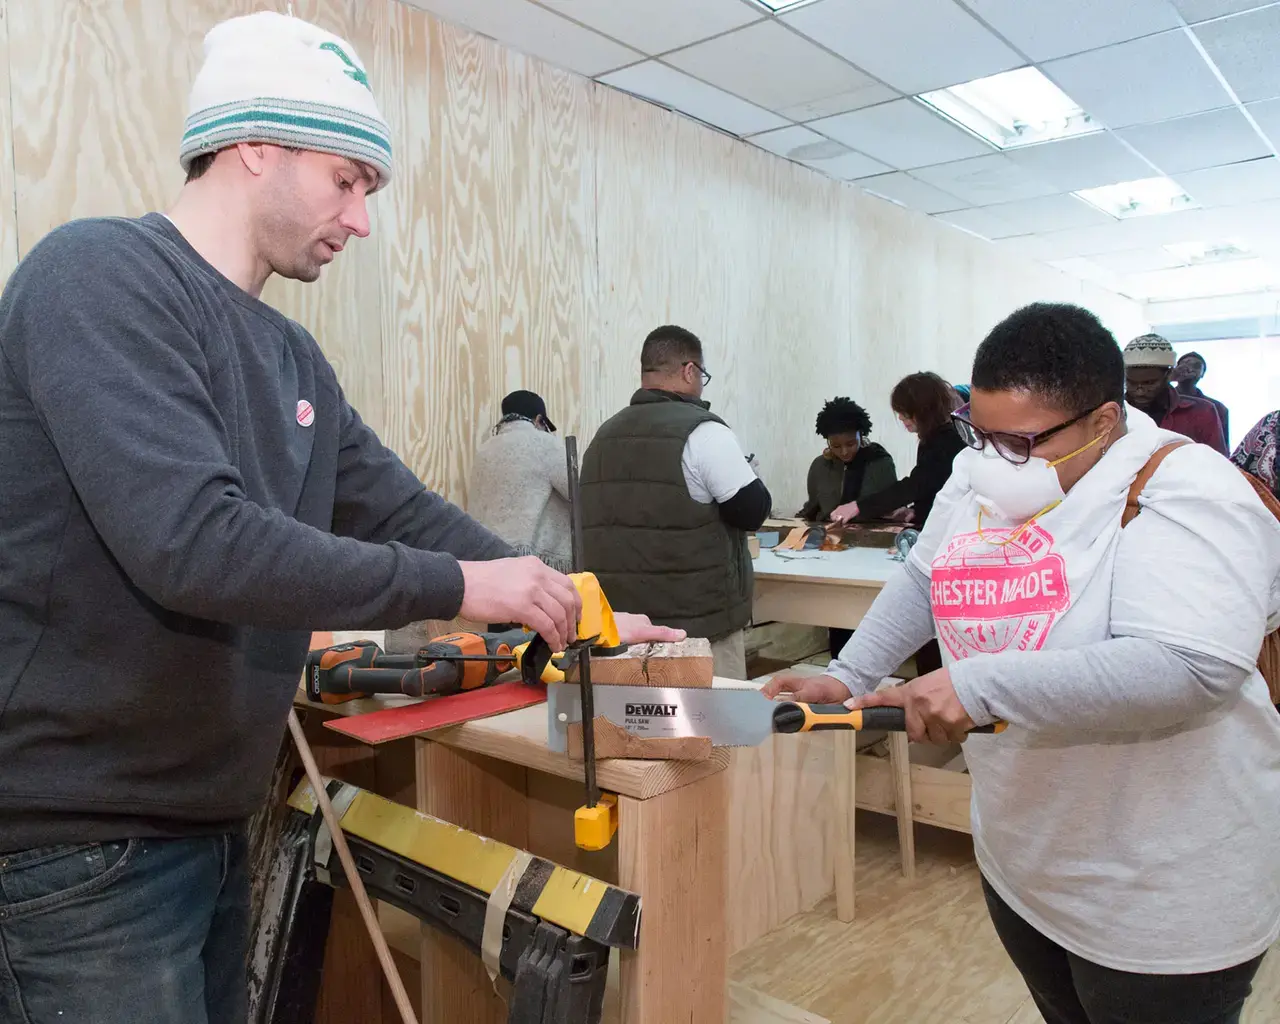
448	664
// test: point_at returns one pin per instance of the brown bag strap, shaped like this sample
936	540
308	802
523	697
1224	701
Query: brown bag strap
1131	506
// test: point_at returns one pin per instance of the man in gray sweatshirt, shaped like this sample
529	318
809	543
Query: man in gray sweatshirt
186	496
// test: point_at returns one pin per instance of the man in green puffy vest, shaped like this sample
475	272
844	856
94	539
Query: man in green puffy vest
668	499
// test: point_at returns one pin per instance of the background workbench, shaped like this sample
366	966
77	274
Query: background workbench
820	588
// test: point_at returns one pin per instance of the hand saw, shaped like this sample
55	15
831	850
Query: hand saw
730	716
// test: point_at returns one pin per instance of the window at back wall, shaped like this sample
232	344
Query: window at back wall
1243	374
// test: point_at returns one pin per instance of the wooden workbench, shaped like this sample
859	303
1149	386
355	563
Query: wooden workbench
496	776
836	589
820	588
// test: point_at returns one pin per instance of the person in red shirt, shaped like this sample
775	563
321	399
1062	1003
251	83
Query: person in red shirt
1148	369
1187	376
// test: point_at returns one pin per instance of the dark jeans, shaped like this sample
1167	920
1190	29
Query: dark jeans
1071	990
139	931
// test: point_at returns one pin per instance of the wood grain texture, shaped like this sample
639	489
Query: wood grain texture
780	814
672	850
487	239
686	663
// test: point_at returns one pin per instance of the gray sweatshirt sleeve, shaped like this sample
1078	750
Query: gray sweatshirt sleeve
899	623
1124	684
119	383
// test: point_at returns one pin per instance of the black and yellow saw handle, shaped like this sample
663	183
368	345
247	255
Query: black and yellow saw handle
792	716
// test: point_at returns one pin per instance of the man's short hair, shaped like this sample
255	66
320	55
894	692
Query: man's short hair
668	348
199	165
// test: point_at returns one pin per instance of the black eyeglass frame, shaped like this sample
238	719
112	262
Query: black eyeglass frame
706	377
976	438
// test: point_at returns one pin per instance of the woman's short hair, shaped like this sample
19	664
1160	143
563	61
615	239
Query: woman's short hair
843	416
1060	353
926	399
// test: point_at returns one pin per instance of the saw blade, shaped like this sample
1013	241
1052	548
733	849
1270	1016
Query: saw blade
729	716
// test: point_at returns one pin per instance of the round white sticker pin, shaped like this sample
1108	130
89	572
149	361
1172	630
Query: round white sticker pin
306	414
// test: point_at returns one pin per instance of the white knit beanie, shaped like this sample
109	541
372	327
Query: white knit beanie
269	77
1149	350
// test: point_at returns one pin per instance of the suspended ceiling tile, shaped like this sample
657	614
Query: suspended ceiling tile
1143	80
775	68
1234	184
1046	30
783	140
815	151
982	222
1202	140
656	26
913	45
911	192
902	134
1267	114
985	180
839	103
848	166
536	31
1136	261
1049	213
1083	162
677	90
1202	10
1244	48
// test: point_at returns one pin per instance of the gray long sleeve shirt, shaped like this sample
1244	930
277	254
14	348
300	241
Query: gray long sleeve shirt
187	495
1118	685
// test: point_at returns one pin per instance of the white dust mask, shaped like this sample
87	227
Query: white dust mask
1018	493
1012	493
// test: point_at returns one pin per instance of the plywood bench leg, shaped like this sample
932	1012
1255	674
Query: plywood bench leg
487	796
900	764
673	850
845	788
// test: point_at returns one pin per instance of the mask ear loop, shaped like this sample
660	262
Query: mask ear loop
1048	508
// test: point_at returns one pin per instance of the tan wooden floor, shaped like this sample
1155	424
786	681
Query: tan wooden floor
918	953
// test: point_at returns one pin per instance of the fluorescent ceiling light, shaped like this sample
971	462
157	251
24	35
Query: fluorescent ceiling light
1194	253
1138	198
1012	109
778	6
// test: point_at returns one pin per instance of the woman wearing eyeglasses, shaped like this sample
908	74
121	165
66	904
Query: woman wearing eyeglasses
1125	823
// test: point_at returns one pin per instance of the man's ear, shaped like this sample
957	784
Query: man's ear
253	155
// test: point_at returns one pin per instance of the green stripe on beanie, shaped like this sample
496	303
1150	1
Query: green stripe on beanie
272	78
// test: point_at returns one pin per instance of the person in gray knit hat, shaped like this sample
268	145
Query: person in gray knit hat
187	496
1148	369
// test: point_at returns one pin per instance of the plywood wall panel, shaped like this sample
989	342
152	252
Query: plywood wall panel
487	247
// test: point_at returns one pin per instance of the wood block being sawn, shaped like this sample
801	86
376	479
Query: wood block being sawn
686	663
